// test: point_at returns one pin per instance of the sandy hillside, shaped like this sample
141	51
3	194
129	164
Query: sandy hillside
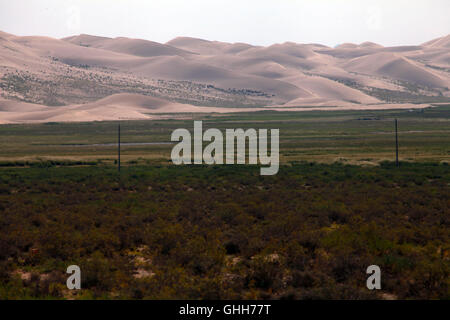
137	47
86	78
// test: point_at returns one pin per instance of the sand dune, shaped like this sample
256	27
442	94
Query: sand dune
369	44
443	42
161	67
329	90
205	47
87	78
179	69
75	54
14	54
86	40
396	67
435	56
137	47
139	107
18	106
115	107
127	99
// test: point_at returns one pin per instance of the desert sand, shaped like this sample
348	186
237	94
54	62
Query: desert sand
90	78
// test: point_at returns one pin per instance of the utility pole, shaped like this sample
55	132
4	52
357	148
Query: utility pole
396	143
118	149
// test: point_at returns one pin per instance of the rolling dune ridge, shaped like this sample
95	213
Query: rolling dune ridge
90	78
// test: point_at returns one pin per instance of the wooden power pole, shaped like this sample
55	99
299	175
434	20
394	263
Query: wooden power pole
118	149
396	143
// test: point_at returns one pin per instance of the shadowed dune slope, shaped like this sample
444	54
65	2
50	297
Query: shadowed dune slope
83	76
442	42
200	46
396	67
137	47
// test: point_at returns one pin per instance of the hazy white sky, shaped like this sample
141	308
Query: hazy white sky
263	22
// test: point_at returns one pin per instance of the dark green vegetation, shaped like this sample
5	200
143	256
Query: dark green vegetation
162	231
226	232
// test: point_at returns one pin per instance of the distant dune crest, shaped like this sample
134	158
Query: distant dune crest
85	77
